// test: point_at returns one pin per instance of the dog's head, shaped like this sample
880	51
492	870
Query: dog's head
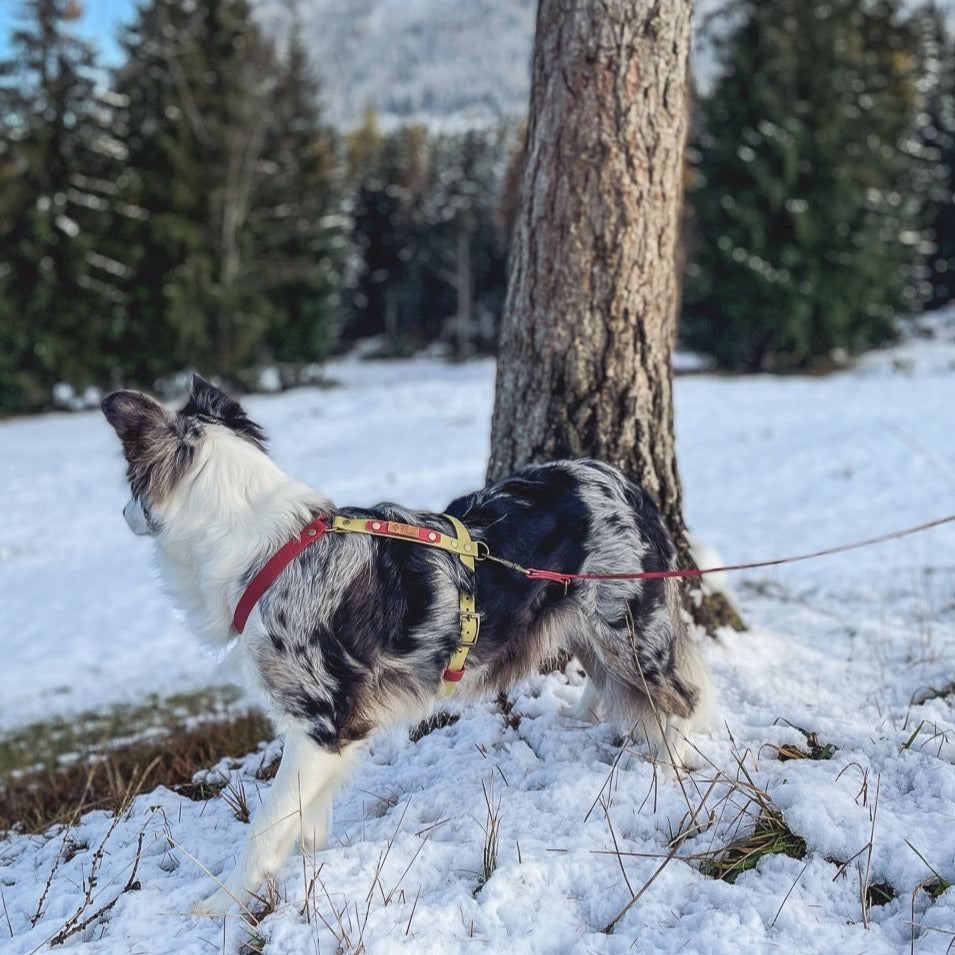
162	446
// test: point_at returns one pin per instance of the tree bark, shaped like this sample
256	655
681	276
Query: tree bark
589	325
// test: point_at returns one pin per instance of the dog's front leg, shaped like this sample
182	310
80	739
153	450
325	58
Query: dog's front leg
302	788
317	814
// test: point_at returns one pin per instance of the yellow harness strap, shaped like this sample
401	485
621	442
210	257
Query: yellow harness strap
461	545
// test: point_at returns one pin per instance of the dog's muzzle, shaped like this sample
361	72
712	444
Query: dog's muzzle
138	520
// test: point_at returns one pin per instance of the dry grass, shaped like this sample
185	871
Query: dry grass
347	919
745	824
934	887
33	800
750	825
769	835
492	835
60	739
39	789
812	750
261	906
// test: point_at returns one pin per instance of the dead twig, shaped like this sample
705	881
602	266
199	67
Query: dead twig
609	927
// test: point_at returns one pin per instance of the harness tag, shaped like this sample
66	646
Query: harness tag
396	529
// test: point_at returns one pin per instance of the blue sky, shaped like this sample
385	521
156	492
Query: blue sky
99	23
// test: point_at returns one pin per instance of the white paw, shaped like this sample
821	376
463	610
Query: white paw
587	707
581	713
315	841
673	751
316	825
215	905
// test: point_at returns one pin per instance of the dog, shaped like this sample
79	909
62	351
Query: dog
357	631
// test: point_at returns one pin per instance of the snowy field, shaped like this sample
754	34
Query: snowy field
858	649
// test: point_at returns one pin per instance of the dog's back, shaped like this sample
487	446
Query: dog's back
584	517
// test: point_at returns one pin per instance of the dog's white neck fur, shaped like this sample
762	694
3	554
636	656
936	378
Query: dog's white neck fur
231	511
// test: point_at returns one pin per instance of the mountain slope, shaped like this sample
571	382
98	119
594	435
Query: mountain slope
442	62
446	63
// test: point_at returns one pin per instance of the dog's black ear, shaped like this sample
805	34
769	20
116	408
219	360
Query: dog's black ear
132	414
207	401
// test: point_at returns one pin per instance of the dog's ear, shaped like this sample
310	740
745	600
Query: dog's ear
132	415
207	401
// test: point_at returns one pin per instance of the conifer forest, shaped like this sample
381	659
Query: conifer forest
191	208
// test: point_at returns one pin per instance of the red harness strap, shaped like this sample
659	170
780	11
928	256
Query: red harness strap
461	545
276	564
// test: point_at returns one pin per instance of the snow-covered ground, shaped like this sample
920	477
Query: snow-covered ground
858	648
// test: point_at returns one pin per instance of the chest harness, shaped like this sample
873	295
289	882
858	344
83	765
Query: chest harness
461	545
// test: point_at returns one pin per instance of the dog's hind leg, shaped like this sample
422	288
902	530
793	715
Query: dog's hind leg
587	708
649	676
300	795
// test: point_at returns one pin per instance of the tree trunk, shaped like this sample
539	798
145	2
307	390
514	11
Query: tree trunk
589	324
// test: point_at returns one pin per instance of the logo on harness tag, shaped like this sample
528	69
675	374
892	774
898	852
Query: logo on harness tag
395	529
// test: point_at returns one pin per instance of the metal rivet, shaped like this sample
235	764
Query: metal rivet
312	532
376	526
432	536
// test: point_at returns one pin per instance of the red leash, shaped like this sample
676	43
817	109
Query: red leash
317	529
565	579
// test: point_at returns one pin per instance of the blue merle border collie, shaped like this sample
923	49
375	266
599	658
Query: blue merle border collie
357	631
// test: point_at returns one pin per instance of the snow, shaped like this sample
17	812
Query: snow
857	648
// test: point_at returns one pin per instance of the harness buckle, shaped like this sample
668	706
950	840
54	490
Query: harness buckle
470	628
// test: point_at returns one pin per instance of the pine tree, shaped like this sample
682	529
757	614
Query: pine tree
467	232
388	236
189	181
809	236
229	193
164	205
57	165
428	237
937	138
296	222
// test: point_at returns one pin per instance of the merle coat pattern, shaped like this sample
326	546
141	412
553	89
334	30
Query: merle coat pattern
357	631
